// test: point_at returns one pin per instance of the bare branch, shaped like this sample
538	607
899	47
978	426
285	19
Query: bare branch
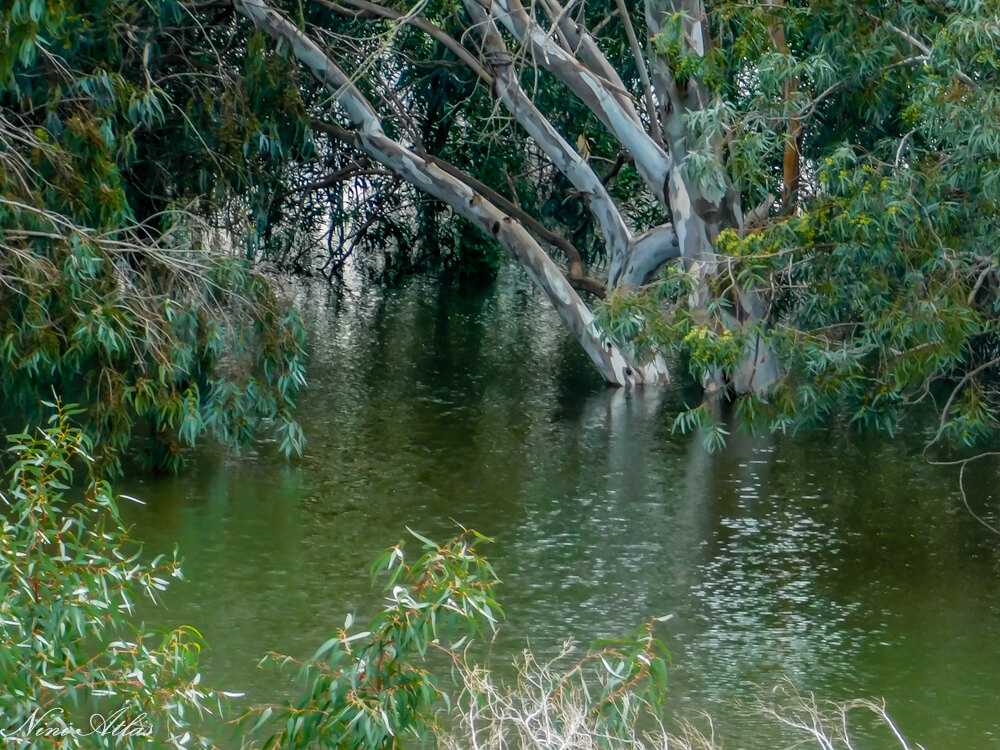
418	22
615	365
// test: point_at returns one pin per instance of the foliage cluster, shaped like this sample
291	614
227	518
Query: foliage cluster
136	171
879	284
74	670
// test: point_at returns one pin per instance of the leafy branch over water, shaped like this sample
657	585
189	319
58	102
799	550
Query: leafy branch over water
75	671
70	578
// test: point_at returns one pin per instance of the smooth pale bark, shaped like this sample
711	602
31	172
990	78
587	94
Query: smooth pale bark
698	220
632	260
688	206
759	368
616	366
583	46
594	90
617	236
542	233
649	253
694	234
677	99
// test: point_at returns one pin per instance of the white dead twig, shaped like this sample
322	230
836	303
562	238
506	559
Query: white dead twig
549	706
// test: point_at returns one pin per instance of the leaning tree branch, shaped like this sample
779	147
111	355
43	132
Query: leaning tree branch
584	47
566	159
595	91
615	365
648	253
576	274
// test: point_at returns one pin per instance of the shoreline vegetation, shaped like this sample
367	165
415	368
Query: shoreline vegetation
788	209
78	670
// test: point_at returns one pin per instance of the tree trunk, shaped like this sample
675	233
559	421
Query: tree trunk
698	218
614	364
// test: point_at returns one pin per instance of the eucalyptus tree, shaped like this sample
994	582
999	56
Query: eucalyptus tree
799	198
824	175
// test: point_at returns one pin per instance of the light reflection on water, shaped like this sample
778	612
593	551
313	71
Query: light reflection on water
845	562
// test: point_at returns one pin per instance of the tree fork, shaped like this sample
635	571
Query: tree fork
616	365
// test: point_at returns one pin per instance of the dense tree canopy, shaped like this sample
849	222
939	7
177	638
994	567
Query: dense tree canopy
131	157
797	198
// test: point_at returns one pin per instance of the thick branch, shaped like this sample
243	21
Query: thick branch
583	46
611	362
533	225
651	161
617	237
649	253
576	272
359	111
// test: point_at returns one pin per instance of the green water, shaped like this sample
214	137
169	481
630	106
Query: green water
847	563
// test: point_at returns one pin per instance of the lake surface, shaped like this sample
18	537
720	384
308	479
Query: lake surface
846	562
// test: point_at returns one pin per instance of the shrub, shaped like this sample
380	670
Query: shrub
74	671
